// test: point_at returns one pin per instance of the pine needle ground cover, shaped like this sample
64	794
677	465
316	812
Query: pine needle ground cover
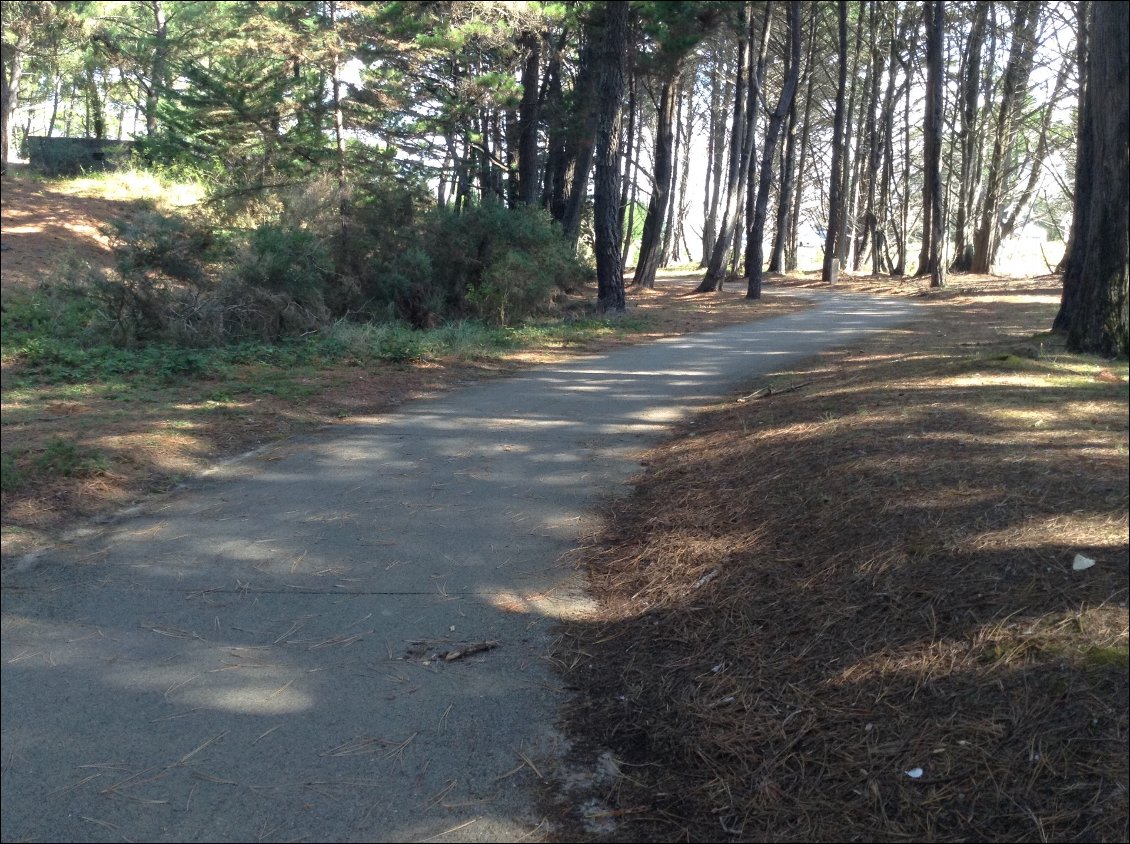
889	605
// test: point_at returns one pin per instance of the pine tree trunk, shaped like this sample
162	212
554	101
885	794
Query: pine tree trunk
663	159
529	118
578	152
935	80
836	176
1098	323
627	183
845	237
731	231
678	222
719	111
606	212
987	237
667	254
713	279
791	255
772	132
970	89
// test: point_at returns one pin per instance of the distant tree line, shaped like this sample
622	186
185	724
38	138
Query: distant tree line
885	126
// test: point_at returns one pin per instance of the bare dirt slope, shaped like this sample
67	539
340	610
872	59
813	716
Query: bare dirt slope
43	226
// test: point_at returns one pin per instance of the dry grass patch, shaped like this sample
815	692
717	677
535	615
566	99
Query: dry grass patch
850	612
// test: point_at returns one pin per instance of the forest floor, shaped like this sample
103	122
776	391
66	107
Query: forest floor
878	597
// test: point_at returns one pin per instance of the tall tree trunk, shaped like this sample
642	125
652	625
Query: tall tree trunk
10	96
631	177
681	202
904	193
663	158
713	278
606	212
670	245
935	70
529	118
56	96
784	105
578	152
741	151
629	146
339	123
720	94
853	157
1099	274
987	237
968	133
791	255
836	176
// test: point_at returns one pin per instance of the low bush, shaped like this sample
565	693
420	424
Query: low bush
501	265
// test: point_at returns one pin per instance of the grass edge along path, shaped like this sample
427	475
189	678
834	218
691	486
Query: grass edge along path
90	431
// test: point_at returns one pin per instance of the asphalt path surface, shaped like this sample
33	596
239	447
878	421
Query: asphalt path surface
281	651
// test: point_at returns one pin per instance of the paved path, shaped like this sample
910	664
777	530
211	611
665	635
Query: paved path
253	658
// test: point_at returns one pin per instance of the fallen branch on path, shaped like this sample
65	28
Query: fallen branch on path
765	392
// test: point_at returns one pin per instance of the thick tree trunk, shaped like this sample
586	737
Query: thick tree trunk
1099	274
606	212
784	105
836	176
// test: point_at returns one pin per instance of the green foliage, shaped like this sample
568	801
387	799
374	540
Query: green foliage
67	459
285	260
11	478
500	265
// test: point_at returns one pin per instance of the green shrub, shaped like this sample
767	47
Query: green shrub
11	478
502	265
285	261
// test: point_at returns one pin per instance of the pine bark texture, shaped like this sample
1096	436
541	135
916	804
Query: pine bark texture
606	210
1098	322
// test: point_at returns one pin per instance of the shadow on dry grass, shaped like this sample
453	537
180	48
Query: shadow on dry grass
850	612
